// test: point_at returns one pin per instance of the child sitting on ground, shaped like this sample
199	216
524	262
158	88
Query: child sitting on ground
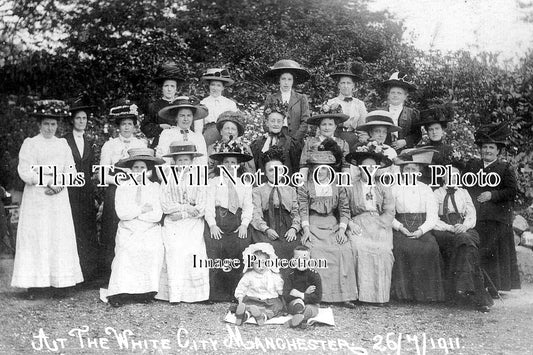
261	286
302	290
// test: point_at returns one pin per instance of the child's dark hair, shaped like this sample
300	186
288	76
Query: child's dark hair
261	253
273	154
301	248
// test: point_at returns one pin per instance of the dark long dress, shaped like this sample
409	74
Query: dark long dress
83	208
150	126
441	157
291	152
494	225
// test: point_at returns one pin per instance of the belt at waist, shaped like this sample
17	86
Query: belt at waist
411	221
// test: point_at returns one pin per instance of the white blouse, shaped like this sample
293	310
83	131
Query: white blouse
117	148
217	195
216	106
356	109
415	199
464	205
129	200
263	286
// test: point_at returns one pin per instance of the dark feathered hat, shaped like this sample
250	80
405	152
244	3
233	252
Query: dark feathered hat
353	70
496	133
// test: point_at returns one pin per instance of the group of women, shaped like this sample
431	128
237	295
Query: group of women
158	236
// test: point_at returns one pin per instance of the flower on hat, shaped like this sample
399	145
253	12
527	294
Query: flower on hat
277	106
134	110
334	108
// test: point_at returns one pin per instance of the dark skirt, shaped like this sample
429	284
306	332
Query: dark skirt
416	274
84	217
108	232
498	254
222	284
272	307
283	248
462	272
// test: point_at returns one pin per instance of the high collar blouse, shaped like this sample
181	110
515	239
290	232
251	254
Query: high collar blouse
289	202
217	105
217	196
465	207
415	199
326	205
355	109
175	134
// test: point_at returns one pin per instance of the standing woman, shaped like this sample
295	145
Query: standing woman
287	73
494	207
346	76
217	79
168	78
325	213
125	114
276	219
228	212
82	197
230	125
398	89
416	275
46	253
370	227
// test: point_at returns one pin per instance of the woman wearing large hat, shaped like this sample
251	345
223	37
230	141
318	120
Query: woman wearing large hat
397	89
494	207
435	120
46	253
370	227
183	230
416	275
230	126
379	125
286	73
124	114
228	212
184	111
346	75
82	198
217	79
139	250
325	214
329	118
167	78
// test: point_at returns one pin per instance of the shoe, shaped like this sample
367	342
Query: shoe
308	313
346	304
483	309
259	316
298	308
239	314
296	320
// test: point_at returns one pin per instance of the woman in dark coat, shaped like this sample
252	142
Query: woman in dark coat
82	197
494	206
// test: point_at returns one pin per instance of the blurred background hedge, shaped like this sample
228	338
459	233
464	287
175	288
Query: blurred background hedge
111	48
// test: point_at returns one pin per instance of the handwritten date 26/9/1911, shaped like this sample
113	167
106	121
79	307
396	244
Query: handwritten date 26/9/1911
421	344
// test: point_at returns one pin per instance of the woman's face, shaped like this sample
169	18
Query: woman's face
184	118
275	122
324	173
229	163
229	129
370	162
183	160
327	127
346	86
435	132
397	96
270	170
489	152
48	127
80	121
286	81
411	168
126	127
169	89
216	88
454	178
379	133
138	167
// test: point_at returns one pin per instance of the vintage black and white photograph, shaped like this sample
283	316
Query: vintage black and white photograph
266	176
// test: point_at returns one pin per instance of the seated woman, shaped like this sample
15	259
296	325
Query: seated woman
459	244
183	206
230	126
327	122
228	212
139	248
370	229
276	220
323	232
379	126
416	275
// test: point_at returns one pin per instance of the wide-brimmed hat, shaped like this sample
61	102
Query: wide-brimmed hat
218	74
398	79
55	109
266	248
299	73
182	148
140	154
170	112
379	118
328	152
168	71
436	114
495	133
328	111
124	109
353	70
372	150
233	148
236	117
422	155
80	104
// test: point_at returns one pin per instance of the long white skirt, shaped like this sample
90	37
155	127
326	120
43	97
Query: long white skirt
180	281
138	258
46	252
